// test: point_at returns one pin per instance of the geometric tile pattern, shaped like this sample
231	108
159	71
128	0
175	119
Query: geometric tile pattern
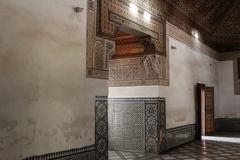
137	124
152	129
155	110
101	128
162	125
136	71
201	150
99	49
126	126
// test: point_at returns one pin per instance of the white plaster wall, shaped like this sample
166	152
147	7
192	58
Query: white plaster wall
46	101
187	68
229	104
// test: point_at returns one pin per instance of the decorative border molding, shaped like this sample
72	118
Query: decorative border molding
198	46
162	126
155	114
113	13
99	49
138	71
88	153
229	56
180	135
101	127
151	127
135	99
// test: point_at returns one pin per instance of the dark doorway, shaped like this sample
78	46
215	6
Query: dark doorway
205	110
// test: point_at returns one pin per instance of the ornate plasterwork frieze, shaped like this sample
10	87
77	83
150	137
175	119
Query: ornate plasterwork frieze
180	35
99	49
138	71
115	13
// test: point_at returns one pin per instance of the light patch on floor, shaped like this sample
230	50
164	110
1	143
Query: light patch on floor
221	139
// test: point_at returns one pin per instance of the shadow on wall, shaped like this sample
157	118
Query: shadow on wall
227	124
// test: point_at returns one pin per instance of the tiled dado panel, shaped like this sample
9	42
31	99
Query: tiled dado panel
101	128
86	153
137	124
126	126
137	71
104	18
180	135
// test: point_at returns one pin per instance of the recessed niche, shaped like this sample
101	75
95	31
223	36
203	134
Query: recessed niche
131	43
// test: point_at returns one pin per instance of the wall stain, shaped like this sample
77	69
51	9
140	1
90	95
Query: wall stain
1	149
180	116
18	141
54	131
27	140
1	145
32	123
72	130
8	125
32	34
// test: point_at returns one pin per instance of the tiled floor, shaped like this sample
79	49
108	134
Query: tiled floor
205	150
121	155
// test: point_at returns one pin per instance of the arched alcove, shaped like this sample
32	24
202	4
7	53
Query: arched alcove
127	35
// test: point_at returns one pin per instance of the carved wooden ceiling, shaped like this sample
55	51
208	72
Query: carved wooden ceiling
228	32
218	21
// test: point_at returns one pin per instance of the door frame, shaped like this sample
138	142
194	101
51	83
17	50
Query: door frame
201	110
213	112
199	106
